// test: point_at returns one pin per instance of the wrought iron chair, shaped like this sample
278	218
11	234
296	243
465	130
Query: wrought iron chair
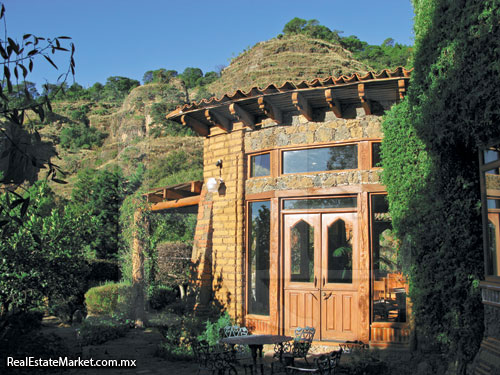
296	348
216	360
241	352
323	365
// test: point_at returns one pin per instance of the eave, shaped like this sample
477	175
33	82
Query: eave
175	196
256	105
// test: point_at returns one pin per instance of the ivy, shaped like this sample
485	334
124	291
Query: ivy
429	155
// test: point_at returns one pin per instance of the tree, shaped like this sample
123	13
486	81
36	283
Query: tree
43	255
100	193
294	26
191	77
116	87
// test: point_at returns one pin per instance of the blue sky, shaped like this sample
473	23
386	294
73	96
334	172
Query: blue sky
127	38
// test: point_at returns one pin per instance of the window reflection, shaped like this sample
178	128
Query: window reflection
258	258
340	252
492	181
260	165
320	159
389	285
302	252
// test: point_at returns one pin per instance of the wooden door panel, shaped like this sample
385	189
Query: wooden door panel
301	310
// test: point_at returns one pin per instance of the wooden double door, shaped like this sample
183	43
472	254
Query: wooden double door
321	277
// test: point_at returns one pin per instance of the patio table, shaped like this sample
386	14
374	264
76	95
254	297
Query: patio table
256	342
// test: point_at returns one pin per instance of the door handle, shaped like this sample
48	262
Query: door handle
324	280
315	281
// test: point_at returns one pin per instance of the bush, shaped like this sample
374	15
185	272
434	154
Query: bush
110	299
80	135
161	296
212	330
97	331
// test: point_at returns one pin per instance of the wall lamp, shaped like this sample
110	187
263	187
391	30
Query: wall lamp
213	184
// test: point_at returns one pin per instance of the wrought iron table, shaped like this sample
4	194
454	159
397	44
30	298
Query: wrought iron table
256	342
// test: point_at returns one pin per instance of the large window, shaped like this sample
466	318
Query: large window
491	200
258	258
320	159
389	285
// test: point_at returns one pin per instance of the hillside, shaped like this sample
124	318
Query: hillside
288	58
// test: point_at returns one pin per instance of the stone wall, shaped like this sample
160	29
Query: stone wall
218	245
299	131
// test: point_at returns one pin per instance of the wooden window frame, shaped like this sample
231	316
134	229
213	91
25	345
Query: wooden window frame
374	324
247	271
272	164
371	143
484	205
310	147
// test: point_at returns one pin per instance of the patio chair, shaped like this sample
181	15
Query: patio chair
296	348
325	364
242	352
215	360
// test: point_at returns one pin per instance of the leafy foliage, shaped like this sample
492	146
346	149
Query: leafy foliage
42	251
388	55
100	194
109	299
98	331
429	155
80	135
19	159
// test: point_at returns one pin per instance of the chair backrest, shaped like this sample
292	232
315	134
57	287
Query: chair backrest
305	334
328	362
232	331
302	341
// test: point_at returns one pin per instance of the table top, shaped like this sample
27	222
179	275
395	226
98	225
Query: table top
256	339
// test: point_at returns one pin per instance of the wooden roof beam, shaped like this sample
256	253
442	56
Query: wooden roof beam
196	186
364	102
246	118
402	88
333	103
196	125
154	198
184	202
218	120
302	105
270	110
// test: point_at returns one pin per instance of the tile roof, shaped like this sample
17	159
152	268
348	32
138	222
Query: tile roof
288	86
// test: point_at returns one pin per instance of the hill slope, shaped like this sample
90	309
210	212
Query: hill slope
290	58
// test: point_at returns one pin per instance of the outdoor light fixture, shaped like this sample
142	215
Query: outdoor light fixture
214	184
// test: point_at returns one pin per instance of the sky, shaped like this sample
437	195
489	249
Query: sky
127	38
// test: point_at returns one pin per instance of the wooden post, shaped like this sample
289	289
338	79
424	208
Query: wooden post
138	300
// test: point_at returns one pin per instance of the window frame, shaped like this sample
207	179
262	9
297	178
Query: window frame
248	224
308	147
271	164
483	167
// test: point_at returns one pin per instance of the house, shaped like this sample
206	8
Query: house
293	226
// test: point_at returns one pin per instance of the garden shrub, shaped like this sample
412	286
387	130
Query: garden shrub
429	156
98	331
212	329
160	296
109	299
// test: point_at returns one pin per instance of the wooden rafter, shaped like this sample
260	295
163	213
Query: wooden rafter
196	125
333	103
364	102
402	88
270	110
302	105
184	202
246	118
218	120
